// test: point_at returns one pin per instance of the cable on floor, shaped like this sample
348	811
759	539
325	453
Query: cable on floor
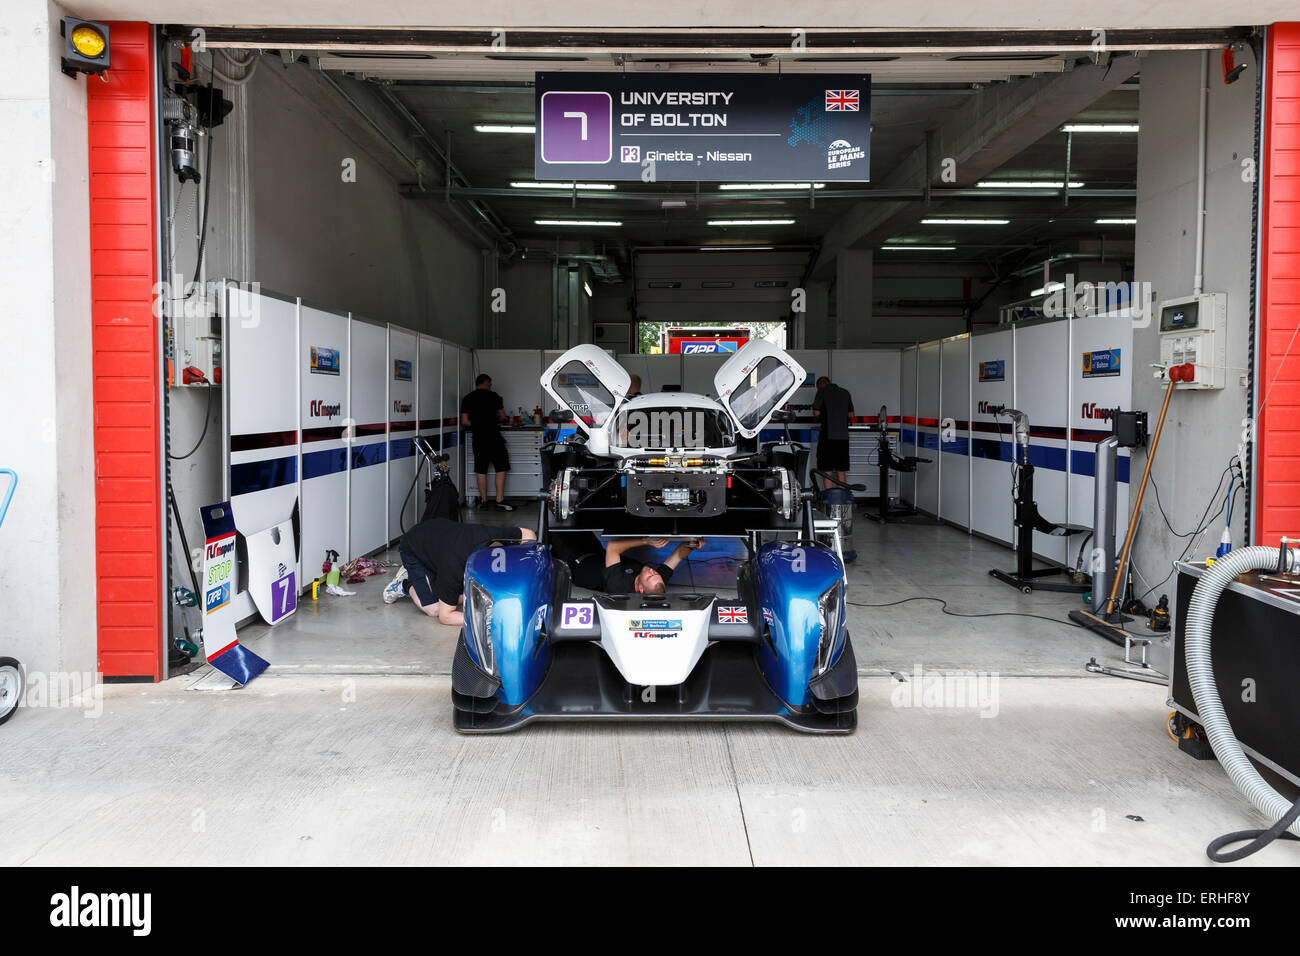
944	609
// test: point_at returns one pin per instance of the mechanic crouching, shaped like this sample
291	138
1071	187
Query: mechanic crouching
433	555
610	570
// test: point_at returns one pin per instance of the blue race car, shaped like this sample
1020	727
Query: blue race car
667	465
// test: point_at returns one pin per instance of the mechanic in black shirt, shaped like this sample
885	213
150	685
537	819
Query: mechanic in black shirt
833	408
609	570
482	411
434	553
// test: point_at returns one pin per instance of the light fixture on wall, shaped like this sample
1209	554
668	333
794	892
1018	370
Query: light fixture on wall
1027	184
577	222
913	247
503	128
1116	222
748	186
558	185
85	46
965	222
751	222
1099	128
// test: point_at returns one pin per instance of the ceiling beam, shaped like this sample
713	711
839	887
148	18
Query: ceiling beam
986	131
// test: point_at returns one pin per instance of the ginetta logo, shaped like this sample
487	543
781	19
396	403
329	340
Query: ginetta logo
321	409
1090	410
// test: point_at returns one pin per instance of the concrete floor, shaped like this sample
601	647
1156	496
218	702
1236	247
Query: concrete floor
343	752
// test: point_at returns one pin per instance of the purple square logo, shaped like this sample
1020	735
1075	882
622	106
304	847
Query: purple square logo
577	127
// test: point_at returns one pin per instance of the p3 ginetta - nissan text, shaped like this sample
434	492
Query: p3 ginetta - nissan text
666	465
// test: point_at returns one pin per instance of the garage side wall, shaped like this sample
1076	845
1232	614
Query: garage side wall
355	245
1203	427
47	544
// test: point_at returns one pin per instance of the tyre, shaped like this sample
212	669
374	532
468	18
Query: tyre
11	687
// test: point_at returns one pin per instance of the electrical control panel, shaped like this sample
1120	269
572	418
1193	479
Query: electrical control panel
198	338
1193	339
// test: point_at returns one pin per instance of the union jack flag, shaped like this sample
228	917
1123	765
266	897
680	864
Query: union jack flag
733	615
841	101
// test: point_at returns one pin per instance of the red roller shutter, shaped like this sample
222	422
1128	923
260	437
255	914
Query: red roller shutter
123	256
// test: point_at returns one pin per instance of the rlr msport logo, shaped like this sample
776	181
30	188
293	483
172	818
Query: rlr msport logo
321	409
220	550
1090	410
95	910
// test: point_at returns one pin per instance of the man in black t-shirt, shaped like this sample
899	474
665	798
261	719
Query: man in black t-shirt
482	411
434	553
833	408
608	570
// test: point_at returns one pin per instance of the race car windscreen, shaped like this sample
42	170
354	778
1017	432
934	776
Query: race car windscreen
659	429
579	389
760	391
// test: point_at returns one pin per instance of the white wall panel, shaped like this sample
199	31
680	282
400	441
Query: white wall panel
465	364
403	386
261	386
1042	392
698	372
992	384
927	430
954	439
450	406
909	443
872	377
1092	398
516	375
368	413
656	371
323	408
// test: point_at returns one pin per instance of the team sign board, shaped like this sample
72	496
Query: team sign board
703	127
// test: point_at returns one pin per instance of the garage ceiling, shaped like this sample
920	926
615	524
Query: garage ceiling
446	84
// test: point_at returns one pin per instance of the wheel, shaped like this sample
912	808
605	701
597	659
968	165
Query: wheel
1026	589
11	687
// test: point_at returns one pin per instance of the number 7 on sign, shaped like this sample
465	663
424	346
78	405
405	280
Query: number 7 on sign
578	115
284	597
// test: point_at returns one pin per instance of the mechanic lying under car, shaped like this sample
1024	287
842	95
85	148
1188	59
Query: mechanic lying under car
609	570
433	555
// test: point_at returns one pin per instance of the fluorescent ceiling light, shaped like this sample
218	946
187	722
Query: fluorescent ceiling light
772	185
503	128
577	222
751	222
1050	287
735	248
586	287
911	247
1027	184
558	185
965	222
1116	222
1099	128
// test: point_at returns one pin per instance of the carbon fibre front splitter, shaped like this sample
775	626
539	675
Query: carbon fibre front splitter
583	684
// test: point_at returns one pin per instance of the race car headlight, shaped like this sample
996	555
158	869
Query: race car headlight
479	604
830	608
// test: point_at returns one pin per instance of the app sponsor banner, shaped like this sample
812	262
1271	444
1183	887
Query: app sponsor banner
703	127
692	345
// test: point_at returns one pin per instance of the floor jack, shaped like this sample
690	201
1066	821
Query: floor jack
1028	520
12	678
